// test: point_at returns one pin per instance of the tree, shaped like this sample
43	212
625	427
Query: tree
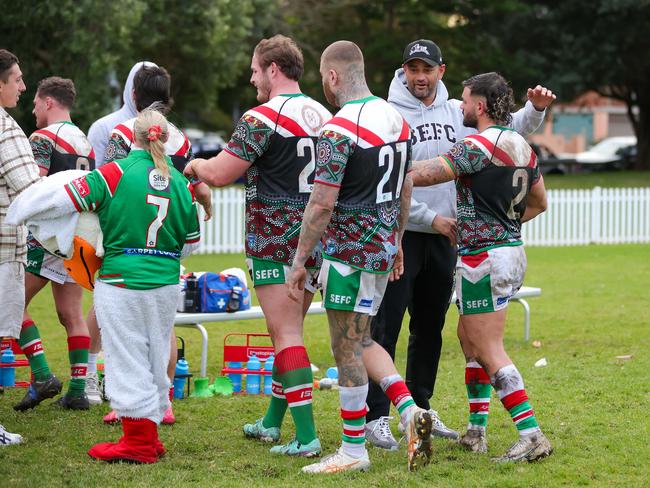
204	44
579	45
81	40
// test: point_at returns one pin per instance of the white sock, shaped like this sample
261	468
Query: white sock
353	400
92	363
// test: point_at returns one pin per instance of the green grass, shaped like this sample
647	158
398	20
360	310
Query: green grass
604	179
592	406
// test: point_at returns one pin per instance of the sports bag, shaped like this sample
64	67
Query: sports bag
223	293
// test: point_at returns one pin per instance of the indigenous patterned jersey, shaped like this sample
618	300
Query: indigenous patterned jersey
60	147
366	151
177	147
495	171
146	219
278	139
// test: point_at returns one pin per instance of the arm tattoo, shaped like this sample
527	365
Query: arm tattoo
431	172
315	219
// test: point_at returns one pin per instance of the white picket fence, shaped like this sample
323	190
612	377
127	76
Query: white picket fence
597	216
574	217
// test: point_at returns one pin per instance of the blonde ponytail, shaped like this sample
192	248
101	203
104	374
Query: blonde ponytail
151	133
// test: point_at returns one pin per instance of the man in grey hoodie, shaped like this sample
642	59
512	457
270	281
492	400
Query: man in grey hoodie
429	243
100	131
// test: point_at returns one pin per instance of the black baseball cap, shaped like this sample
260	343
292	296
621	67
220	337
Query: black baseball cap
423	49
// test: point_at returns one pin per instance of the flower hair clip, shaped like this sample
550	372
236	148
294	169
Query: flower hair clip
154	133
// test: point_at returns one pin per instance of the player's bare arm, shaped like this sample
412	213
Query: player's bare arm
536	203
204	197
315	219
221	170
431	172
405	205
541	97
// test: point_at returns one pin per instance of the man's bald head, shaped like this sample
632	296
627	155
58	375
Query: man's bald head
342	56
341	68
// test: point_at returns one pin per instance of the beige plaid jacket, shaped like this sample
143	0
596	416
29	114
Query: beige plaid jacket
17	171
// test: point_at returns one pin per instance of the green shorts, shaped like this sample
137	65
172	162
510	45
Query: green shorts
264	272
351	289
486	281
45	265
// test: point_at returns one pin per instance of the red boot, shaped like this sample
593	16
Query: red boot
137	445
160	448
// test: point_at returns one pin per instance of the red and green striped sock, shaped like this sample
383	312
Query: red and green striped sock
30	343
478	387
278	404
509	384
294	370
353	413
398	393
78	353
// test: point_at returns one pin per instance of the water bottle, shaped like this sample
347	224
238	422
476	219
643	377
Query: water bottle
332	373
268	379
235	299
8	374
235	379
192	294
253	380
180	377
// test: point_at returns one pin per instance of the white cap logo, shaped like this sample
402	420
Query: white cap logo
419	49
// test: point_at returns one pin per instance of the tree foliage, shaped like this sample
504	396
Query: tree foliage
579	45
82	40
204	44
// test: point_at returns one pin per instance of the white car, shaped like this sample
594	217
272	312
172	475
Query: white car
609	150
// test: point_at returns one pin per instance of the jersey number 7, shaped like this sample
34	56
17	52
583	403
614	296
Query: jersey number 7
163	207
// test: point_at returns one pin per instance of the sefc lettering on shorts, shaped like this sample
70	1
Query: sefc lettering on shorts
350	289
341	292
265	272
485	281
476	297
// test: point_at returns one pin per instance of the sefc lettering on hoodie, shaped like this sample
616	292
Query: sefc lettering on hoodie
432	132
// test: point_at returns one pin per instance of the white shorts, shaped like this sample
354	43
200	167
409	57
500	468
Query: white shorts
486	281
351	289
12	298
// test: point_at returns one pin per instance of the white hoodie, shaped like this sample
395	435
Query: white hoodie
434	130
100	132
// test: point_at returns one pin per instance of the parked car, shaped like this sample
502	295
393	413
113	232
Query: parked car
206	145
610	153
551	163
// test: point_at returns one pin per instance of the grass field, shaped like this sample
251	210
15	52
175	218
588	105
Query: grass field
592	406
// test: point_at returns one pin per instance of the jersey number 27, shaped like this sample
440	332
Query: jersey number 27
387	161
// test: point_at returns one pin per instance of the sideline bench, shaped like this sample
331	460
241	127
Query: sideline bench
196	320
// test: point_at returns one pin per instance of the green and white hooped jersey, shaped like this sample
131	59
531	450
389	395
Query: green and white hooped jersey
146	219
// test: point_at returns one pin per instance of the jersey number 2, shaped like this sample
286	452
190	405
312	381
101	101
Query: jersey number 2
163	207
519	181
306	144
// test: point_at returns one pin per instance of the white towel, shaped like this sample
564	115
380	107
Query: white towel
49	214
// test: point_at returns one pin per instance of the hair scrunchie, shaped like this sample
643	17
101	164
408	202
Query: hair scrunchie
154	133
